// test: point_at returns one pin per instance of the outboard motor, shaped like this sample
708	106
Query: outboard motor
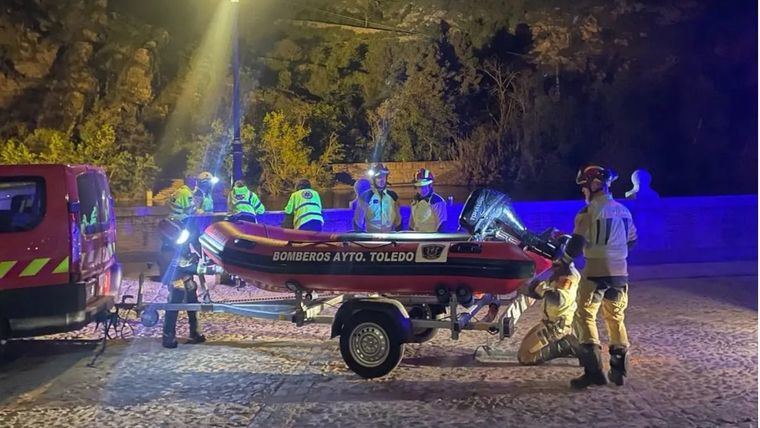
489	213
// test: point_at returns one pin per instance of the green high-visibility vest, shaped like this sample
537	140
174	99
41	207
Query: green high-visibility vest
304	205
204	201
181	203
241	199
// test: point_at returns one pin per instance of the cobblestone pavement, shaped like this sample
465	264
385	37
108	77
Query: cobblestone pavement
694	363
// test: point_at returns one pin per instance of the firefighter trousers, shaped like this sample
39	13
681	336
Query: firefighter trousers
610	293
184	294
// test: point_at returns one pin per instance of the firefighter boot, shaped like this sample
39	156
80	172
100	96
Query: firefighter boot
169	342
192	319
568	347
618	365
170	325
590	357
195	336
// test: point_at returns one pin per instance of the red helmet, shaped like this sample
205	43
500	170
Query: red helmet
595	172
423	177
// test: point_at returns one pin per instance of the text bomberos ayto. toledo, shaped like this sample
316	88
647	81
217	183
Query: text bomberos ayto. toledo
343	256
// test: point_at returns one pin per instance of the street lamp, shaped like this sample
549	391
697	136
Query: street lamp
237	145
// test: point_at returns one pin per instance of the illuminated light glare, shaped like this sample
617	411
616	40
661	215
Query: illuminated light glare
214	180
183	237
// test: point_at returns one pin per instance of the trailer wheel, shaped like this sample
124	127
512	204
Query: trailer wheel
422	312
149	317
370	344
464	296
227	279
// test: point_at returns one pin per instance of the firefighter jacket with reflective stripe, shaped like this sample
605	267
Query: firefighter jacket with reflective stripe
304	205
608	228
377	211
204	202
242	200
428	213
181	203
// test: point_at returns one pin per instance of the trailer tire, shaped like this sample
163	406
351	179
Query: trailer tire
424	312
371	344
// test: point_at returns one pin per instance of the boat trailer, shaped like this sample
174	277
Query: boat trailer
373	329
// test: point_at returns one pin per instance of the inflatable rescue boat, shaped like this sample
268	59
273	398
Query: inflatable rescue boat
278	259
496	255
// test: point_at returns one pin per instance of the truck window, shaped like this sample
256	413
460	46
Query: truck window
95	210
22	203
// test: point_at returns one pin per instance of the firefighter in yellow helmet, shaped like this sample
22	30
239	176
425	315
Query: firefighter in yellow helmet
378	210
607	228
202	194
428	209
242	199
304	209
553	336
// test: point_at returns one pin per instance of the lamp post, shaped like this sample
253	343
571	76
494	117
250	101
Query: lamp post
237	145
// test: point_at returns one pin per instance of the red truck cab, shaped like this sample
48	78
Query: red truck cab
58	267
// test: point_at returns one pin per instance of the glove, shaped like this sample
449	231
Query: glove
533	289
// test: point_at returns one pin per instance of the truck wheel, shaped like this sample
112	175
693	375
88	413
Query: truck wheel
370	344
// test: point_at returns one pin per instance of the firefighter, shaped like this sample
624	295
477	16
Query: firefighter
608	230
553	337
428	209
181	204
378	210
304	209
242	199
202	194
179	278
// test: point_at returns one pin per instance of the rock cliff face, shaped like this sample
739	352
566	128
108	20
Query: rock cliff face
63	62
62	59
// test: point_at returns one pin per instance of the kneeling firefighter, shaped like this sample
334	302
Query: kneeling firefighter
179	277
557	287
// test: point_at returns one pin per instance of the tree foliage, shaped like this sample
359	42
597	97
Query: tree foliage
285	157
129	174
212	151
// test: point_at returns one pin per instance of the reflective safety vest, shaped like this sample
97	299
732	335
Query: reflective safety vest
377	211
304	205
203	201
181	203
242	200
608	227
427	213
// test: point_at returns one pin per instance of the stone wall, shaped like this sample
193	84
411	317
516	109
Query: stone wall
445	172
671	230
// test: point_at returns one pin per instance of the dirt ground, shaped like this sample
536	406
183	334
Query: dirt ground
693	363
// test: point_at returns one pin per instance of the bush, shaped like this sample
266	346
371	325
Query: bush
129	175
